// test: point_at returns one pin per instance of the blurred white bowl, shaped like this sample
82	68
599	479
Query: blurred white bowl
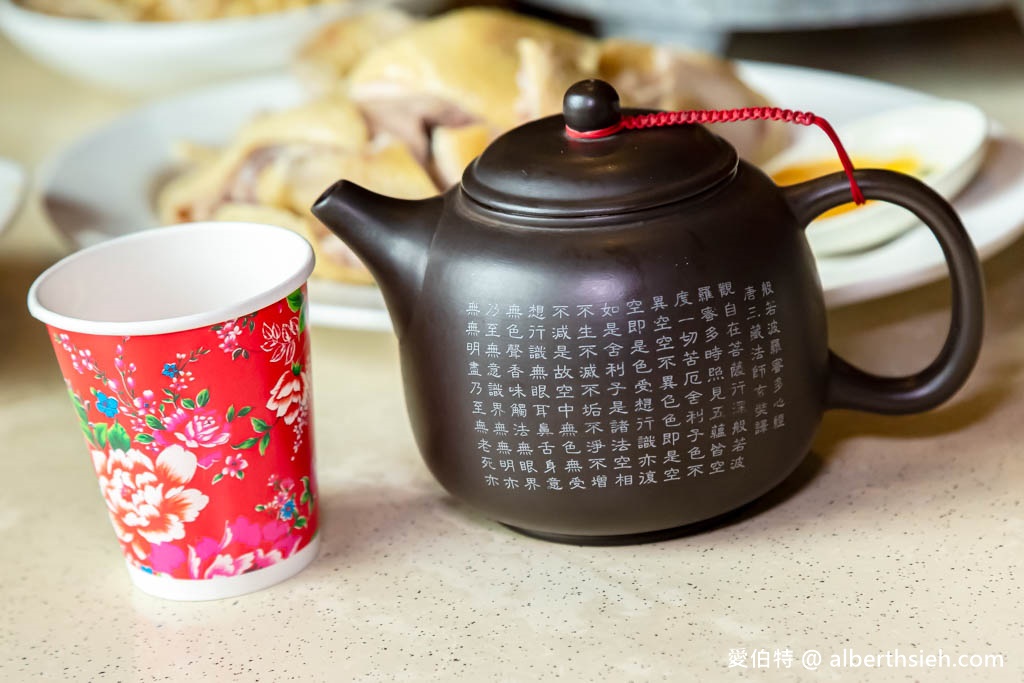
158	56
706	24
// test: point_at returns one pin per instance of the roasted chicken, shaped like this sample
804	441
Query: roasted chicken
404	105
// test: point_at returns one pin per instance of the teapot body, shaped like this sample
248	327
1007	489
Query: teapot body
599	381
609	335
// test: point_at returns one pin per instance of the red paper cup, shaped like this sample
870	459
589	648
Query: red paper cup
186	355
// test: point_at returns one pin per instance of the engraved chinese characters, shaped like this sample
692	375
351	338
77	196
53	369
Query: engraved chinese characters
641	392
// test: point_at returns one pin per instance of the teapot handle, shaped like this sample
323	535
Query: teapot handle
851	387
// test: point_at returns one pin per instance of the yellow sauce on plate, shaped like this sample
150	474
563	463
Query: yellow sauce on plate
798	173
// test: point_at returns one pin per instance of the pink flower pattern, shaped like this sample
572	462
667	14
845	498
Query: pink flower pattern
228	335
203	431
242	548
233	466
197	429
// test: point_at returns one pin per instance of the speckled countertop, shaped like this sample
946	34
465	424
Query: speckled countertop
896	533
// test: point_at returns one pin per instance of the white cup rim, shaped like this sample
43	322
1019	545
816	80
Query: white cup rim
281	242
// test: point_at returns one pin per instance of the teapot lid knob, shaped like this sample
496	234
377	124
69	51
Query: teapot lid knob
591	105
544	168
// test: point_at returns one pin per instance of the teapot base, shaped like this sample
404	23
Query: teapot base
803	471
633	539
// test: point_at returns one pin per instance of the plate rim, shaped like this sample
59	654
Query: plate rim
970	153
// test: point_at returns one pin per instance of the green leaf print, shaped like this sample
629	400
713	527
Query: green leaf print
83	416
118	438
101	430
307	493
295	300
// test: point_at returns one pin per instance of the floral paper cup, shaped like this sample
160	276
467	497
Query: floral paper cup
186	356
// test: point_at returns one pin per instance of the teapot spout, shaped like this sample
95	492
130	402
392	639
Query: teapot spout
391	236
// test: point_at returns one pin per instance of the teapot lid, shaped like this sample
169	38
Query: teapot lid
540	169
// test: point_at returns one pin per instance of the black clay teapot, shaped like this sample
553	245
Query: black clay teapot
611	339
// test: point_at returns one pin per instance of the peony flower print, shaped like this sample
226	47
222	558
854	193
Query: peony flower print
288	397
245	546
227	565
149	501
197	429
203	431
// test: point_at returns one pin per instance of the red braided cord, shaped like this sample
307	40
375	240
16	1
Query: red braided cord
594	134
675	118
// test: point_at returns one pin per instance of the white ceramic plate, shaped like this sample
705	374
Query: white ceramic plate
101	186
12	189
146	57
945	138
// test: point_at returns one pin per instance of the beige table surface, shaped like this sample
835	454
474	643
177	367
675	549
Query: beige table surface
897	533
